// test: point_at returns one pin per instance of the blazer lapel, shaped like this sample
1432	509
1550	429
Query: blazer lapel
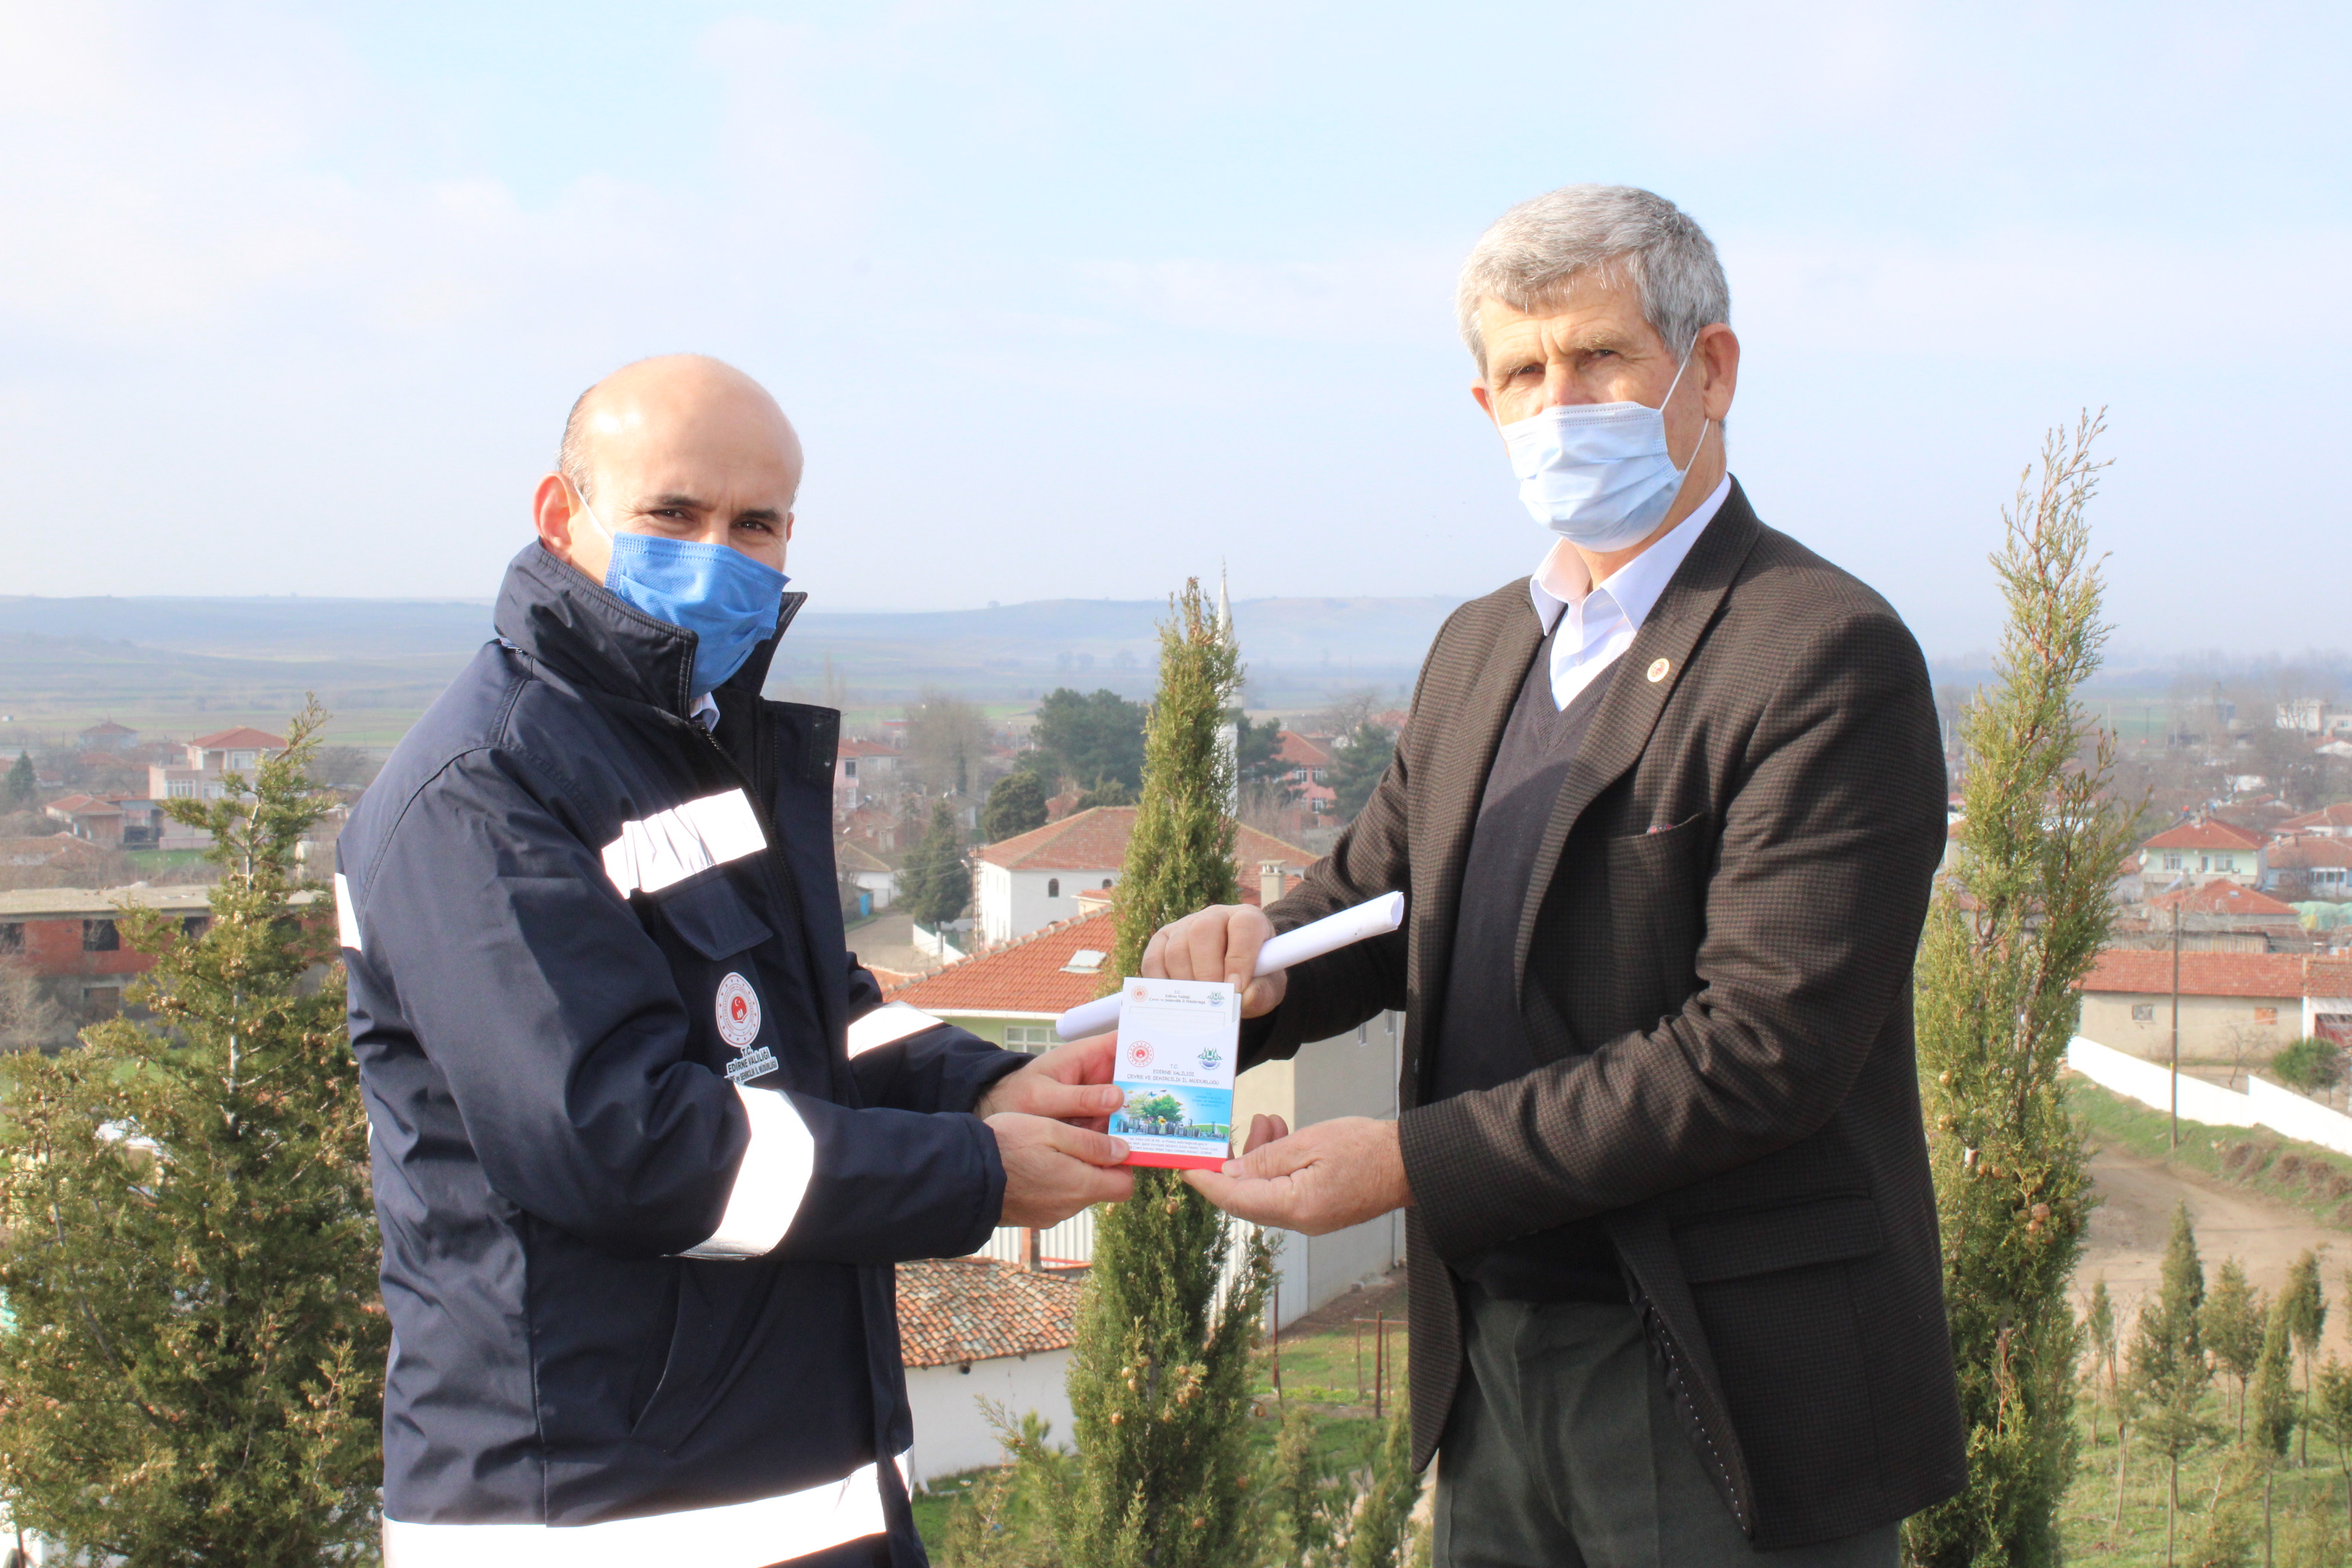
1445	816
1630	711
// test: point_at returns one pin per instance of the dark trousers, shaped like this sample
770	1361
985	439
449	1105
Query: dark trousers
1563	1450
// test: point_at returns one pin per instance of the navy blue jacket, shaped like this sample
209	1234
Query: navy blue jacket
639	1201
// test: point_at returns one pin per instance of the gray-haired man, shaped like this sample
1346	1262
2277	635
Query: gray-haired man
1666	813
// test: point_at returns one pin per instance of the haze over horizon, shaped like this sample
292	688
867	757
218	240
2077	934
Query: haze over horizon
1079	302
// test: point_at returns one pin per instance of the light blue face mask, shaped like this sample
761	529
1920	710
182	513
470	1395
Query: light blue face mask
1599	473
728	601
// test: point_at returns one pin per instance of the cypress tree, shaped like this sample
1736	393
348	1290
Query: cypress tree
2168	1365
1159	1374
2233	1328
194	1369
23	787
2307	1316
2012	928
2099	1323
2272	1398
935	883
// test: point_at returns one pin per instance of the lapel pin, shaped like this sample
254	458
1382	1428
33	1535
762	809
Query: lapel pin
1658	668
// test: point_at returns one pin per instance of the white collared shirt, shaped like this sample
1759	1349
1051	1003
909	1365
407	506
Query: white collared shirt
705	710
1602	617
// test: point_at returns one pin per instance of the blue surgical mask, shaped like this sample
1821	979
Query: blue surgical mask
728	601
1599	474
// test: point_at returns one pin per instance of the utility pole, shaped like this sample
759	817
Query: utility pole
2176	1025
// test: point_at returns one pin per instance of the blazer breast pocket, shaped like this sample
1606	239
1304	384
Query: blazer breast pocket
1656	901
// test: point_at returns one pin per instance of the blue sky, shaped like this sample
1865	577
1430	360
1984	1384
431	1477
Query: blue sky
1075	300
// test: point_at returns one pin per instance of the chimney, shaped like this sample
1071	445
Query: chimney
1032	1250
1270	881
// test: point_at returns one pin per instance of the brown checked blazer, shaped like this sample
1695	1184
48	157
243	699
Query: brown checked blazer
1713	963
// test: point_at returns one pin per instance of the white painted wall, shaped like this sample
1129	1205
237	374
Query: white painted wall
952	1434
1014	903
2266	1104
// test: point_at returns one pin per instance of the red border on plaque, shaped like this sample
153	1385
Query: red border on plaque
1179	1162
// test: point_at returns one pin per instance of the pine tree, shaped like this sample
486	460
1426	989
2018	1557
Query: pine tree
23	786
1159	1374
195	1373
1016	804
2307	1316
935	884
2168	1365
2012	929
2232	1326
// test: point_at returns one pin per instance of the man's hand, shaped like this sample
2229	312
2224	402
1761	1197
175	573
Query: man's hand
1070	1083
1219	943
1053	1169
1318	1180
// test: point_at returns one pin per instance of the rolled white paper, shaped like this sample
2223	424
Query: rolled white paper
1376	918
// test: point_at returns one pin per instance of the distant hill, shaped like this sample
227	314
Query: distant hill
377	663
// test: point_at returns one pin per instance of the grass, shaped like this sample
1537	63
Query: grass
2316	1180
2308	1519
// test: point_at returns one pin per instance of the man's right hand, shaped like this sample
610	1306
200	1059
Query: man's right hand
1219	943
1052	1170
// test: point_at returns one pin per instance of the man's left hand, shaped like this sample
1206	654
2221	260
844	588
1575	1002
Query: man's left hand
1316	1180
1070	1083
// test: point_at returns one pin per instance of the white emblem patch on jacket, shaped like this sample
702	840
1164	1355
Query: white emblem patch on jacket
739	1025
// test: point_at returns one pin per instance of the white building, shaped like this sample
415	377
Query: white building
972	1328
211	759
1027	882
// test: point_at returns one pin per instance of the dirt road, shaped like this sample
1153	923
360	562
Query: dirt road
2128	1232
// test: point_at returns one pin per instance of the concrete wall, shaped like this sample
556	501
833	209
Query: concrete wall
2266	1104
952	1434
2212	1028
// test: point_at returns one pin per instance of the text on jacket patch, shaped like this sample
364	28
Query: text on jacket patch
739	1025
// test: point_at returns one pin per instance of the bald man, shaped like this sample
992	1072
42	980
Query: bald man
645	1142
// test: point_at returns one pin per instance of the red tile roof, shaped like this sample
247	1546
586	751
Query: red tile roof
2305	850
2339	816
958	1309
2149	972
2209	834
1028	975
1301	753
245	737
2223	899
1096	840
866	749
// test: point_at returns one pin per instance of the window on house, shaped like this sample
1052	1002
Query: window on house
2172	862
2143	1012
100	936
849	767
1053	886
2266	1018
1108	880
1030	1038
12	937
194	926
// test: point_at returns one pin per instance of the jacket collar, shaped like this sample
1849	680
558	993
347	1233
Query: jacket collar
555	614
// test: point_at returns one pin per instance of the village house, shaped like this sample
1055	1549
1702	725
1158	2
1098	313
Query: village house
209	761
71	940
1308	778
1031	880
2328	822
2233	1005
875	879
2195	851
974	1329
89	817
863	772
2309	867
